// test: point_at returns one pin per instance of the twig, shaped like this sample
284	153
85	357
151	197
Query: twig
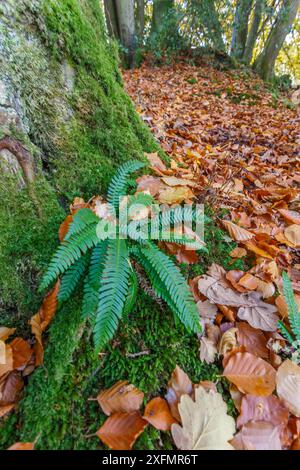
141	353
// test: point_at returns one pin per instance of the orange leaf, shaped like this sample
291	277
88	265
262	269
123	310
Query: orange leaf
250	374
239	234
253	339
5	409
10	388
64	227
158	414
22	446
6	332
6	359
178	385
252	246
121	430
22	353
290	216
249	282
121	397
238	252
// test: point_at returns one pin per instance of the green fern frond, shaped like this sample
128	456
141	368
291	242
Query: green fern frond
81	219
118	185
68	252
293	310
72	277
112	293
285	332
93	279
132	293
175	285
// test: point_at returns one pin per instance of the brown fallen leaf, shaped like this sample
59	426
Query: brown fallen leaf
288	386
6	359
238	252
121	430
5	332
208	350
178	385
270	409
22	446
292	234
253	339
228	341
175	195
249	282
10	387
258	435
205	422
157	413
236	232
290	216
64	227
173	181
22	353
250	374
122	397
282	306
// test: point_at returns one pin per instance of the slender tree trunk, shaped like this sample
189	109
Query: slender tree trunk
140	19
111	18
254	29
240	28
160	9
210	21
266	61
126	20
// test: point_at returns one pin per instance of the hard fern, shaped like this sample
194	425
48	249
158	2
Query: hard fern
118	185
293	312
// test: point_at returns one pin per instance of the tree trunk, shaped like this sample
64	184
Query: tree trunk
111	19
126	20
266	61
206	9
161	8
253	32
240	28
140	19
65	125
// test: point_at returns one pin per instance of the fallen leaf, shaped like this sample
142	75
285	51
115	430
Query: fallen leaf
22	446
5	409
22	353
238	252
207	310
208	350
178	385
205	423
64	227
173	181
288	386
5	333
121	397
121	430
10	387
270	409
257	436
6	359
157	413
292	234
253	339
150	184
228	341
250	374
236	232
290	216
175	195
249	282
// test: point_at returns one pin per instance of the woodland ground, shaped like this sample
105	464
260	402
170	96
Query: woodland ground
239	140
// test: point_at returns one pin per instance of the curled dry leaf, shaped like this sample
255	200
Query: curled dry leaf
5	332
122	397
288	386
208	350
157	413
121	430
269	409
178	385
238	234
250	374
258	435
22	446
205	423
253	339
228	341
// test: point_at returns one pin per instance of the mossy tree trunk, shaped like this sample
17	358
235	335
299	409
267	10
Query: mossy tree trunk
66	124
240	28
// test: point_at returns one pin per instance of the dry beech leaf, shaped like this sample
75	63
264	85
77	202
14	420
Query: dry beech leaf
64	227
121	430
282	306
236	396
250	374
269	409
228	341
288	386
292	234
205	423
238	234
207	310
173	181
5	333
22	446
10	387
208	350
22	353
121	397
157	413
175	195
155	162
5	409
253	340
252	246
249	282
258	435
238	252
178	385
267	289
290	216
6	359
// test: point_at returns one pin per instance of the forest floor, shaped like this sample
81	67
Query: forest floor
233	145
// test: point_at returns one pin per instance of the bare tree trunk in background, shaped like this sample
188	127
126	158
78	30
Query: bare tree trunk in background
266	61
126	20
254	30
160	9
140	19
240	28
111	19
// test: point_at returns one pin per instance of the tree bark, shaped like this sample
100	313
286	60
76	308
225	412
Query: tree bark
240	28
209	18
126	21
253	32
265	63
111	19
140	19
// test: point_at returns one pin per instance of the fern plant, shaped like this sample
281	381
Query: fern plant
293	313
110	282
